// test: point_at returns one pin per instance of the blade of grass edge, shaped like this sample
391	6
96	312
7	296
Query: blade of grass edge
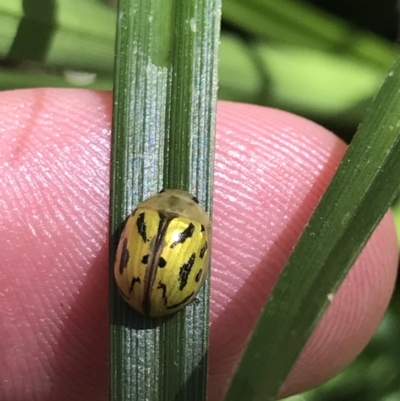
163	136
364	187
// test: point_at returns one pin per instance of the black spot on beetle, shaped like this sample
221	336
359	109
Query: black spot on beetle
202	228
133	282
198	275
184	235
183	302
185	271
163	190
124	256
163	288
203	250
162	262
145	259
194	199
141	226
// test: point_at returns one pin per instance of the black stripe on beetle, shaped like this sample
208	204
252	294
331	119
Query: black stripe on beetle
141	226
133	282
194	199
185	271
198	275
184	301
124	256
184	235
161	223
203	250
163	288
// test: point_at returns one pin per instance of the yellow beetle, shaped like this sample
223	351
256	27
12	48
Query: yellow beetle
163	254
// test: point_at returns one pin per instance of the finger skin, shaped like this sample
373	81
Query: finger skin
271	169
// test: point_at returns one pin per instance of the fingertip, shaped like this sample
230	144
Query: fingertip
54	164
271	169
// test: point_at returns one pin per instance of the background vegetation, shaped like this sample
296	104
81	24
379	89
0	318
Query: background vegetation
323	59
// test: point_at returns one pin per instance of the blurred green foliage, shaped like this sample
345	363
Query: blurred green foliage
285	54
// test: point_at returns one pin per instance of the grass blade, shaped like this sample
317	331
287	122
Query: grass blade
366	184
164	117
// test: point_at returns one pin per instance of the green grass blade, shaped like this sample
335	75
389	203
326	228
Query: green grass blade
163	136
366	184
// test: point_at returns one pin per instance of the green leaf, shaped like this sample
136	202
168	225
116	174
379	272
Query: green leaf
163	136
364	187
